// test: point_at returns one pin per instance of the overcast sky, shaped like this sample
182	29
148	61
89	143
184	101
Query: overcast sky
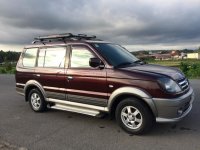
136	24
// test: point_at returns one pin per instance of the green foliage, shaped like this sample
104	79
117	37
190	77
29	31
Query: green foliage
7	70
184	67
190	67
8	66
13	71
191	70
9	56
3	70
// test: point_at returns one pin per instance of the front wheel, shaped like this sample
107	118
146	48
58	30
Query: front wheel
134	116
36	100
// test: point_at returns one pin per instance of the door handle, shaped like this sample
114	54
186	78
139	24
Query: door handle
37	75
69	77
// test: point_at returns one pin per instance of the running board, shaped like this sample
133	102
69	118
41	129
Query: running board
76	109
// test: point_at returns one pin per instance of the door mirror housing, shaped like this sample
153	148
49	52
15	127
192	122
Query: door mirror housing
96	62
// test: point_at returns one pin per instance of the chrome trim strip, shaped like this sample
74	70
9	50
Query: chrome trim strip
183	86
52	88
20	84
87	92
105	109
184	81
74	90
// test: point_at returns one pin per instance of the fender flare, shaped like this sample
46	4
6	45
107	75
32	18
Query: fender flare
143	95
37	84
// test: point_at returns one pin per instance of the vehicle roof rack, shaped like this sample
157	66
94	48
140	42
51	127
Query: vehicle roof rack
62	37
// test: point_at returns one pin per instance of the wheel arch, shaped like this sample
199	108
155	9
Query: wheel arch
118	95
31	85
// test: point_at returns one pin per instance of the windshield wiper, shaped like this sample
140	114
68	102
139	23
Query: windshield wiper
124	64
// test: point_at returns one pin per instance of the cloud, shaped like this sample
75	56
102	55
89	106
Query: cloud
138	22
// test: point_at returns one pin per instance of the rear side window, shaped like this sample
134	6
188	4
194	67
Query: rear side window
52	57
29	57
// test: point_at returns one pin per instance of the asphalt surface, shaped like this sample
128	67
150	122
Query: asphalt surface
21	128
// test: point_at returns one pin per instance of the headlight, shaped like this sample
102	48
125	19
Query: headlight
169	85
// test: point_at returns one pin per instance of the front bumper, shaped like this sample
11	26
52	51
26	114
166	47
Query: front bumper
173	110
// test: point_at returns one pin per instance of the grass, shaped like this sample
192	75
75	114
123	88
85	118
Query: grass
173	63
4	70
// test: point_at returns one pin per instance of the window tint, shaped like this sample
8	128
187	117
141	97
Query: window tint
52	57
114	54
80	57
29	57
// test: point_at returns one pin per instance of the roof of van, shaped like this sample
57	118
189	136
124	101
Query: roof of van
64	39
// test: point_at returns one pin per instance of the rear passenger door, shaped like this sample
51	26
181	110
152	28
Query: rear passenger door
85	84
50	71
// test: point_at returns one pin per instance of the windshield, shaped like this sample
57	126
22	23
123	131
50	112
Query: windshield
115	55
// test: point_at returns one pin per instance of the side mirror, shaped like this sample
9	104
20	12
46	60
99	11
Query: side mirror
96	62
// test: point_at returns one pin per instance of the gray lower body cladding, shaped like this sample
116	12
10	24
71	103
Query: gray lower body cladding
172	110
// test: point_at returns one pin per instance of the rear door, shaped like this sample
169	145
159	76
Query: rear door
85	84
50	71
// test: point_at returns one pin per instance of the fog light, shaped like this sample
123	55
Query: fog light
180	112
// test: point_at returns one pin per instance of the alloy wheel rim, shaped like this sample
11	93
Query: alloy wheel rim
131	117
35	101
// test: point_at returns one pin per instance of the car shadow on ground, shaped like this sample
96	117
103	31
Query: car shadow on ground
107	122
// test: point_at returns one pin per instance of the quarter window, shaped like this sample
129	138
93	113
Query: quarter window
29	57
52	57
80	57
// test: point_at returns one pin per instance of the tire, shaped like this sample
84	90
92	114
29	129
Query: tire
134	116
36	101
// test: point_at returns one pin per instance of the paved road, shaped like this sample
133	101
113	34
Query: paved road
22	127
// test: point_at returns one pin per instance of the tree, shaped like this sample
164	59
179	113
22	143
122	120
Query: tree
1	56
198	49
9	56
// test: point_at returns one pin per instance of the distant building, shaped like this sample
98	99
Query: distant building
162	56
143	57
175	53
193	55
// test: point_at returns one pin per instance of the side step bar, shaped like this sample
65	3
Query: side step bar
77	107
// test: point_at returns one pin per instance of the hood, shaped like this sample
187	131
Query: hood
157	69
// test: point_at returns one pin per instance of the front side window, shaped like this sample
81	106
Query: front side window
80	57
52	57
29	57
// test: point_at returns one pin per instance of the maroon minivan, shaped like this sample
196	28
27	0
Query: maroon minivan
83	74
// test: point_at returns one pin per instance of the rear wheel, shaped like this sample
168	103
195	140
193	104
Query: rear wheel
134	116
36	101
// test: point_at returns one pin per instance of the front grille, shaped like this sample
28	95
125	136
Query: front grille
183	83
